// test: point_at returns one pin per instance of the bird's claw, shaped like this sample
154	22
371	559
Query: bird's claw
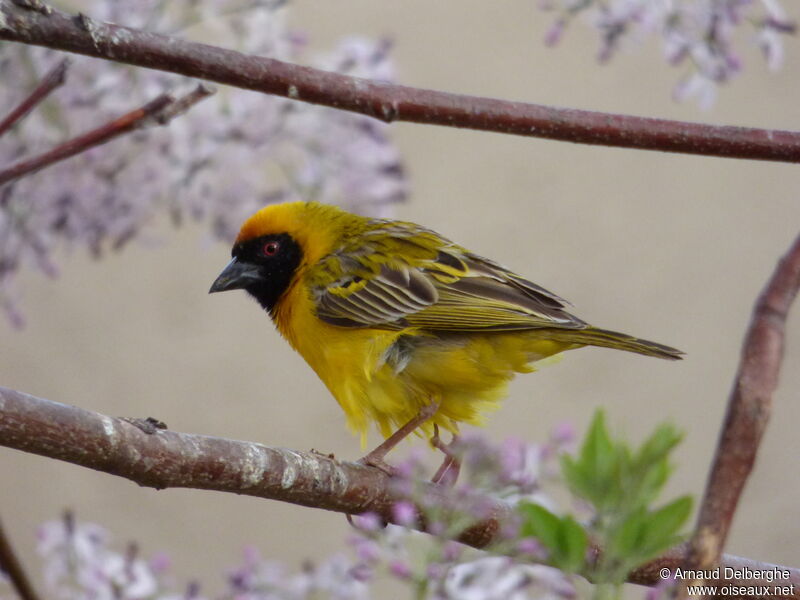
377	461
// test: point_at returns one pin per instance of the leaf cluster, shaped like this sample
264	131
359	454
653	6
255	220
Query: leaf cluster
621	484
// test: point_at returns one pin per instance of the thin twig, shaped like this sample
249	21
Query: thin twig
749	408
10	564
385	101
159	110
54	78
170	459
184	103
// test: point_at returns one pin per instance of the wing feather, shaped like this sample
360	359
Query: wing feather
398	276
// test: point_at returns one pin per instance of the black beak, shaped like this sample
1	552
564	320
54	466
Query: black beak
235	276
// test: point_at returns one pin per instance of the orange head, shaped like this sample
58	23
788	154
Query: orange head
277	243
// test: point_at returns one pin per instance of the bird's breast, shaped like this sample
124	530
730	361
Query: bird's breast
345	359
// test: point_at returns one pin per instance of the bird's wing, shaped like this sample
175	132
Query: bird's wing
404	276
487	296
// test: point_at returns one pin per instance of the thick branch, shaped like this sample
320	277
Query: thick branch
384	101
160	110
53	79
170	459
749	408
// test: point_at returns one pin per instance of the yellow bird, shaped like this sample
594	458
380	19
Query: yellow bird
404	327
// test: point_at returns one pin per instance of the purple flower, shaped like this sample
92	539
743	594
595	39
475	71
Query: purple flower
368	521
78	563
160	562
553	35
361	572
435	571
563	434
499	578
368	551
404	513
531	546
400	569
661	590
452	551
704	31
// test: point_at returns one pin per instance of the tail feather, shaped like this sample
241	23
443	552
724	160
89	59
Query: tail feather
592	336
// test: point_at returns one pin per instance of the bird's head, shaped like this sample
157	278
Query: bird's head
274	245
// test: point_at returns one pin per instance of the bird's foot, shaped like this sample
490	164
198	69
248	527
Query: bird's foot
375	459
448	471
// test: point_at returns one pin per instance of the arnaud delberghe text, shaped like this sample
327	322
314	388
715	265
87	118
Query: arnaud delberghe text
742	574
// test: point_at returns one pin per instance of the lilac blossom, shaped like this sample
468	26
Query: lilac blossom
335	578
224	159
79	564
698	34
501	578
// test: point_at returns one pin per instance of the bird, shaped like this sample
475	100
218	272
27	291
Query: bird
408	330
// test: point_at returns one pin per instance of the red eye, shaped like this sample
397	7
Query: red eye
271	248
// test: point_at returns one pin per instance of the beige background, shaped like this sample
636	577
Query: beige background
668	247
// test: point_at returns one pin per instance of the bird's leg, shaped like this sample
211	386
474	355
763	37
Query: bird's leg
375	457
447	474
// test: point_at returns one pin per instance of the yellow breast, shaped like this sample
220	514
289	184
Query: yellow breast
350	362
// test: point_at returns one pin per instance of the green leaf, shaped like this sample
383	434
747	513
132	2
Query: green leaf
574	543
577	480
594	473
640	536
541	524
647	470
598	449
621	483
563	537
649	482
663	525
658	446
626	537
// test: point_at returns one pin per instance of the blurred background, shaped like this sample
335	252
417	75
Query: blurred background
671	248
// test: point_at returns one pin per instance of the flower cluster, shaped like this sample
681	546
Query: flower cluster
700	34
79	563
227	157
336	578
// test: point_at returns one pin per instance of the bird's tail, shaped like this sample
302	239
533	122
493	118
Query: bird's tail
592	336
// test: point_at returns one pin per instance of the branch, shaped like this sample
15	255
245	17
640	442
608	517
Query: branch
54	78
169	459
9	563
748	411
82	35
160	110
